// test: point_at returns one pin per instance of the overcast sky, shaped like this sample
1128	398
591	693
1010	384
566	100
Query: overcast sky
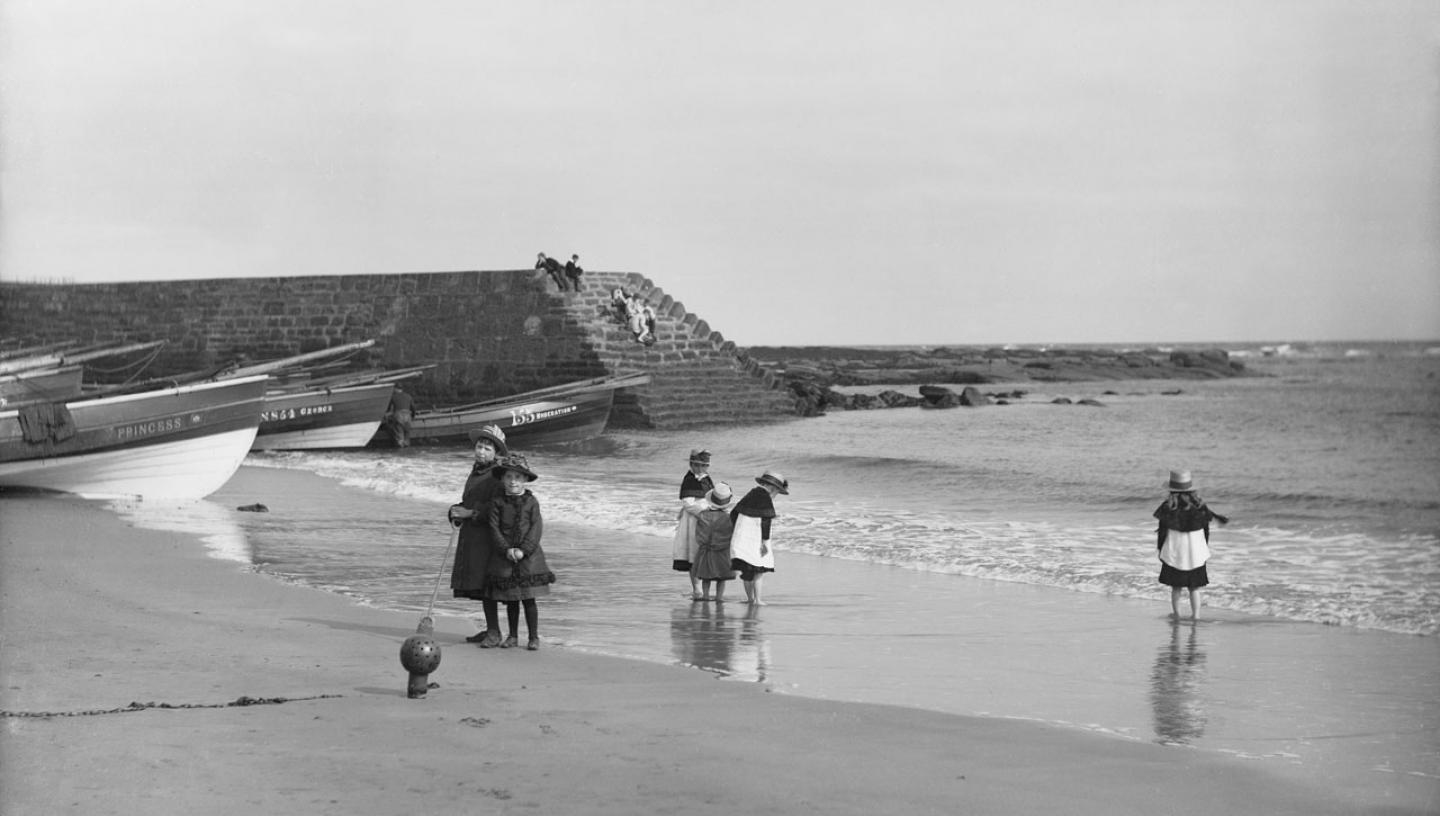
833	172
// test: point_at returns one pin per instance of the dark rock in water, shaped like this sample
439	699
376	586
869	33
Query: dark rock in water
937	396
970	396
1060	401
253	508
1170	393
894	399
1094	402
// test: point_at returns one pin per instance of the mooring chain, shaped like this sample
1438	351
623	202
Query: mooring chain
238	701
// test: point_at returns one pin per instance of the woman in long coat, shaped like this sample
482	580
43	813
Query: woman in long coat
477	541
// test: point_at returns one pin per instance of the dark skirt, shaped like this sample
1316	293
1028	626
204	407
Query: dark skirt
748	571
680	566
1184	579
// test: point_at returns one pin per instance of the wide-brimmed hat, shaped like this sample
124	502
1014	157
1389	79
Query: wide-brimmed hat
721	495
492	433
699	456
515	462
775	480
1180	482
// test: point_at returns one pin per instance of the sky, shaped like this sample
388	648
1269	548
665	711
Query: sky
834	173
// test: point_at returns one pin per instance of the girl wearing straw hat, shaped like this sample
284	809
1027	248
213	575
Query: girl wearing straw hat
713	529
1183	541
518	572
750	550
471	515
693	488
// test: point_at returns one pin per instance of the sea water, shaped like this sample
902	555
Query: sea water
910	537
1328	467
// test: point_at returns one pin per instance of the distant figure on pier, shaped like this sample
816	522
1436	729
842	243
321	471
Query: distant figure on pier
573	271
398	416
553	268
647	321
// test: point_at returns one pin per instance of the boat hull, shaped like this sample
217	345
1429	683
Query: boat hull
173	443
526	424
322	418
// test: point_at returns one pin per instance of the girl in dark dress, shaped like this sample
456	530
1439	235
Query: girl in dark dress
518	572
1183	541
471	515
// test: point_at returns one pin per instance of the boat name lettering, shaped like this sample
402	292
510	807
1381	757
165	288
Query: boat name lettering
523	416
281	414
148	428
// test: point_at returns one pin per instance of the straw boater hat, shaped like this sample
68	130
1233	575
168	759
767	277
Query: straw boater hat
517	463
699	456
775	480
1180	481
492	433
720	496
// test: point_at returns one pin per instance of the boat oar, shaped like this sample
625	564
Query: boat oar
420	654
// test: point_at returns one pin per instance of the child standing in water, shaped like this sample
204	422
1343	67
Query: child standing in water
750	550
1183	541
713	529
518	572
693	488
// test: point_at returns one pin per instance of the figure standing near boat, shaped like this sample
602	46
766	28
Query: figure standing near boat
399	414
518	572
693	488
1183	541
713	529
477	541
750	551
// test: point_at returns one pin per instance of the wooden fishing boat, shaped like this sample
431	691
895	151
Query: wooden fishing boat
563	413
180	442
322	418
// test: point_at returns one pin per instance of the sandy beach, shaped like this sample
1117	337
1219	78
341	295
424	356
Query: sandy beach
99	616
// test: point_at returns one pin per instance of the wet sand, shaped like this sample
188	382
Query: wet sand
98	614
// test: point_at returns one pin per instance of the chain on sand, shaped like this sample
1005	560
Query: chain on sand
237	702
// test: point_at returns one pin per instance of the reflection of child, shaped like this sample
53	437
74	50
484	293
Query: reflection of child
518	572
713	529
1183	541
693	487
750	550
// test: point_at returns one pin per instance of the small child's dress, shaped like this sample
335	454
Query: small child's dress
712	539
515	522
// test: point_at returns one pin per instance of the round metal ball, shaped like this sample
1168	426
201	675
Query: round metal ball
420	654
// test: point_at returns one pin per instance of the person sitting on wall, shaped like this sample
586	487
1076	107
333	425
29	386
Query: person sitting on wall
552	266
648	319
635	314
573	271
619	305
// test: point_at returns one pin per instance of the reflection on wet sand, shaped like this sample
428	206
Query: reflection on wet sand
214	523
722	638
1175	698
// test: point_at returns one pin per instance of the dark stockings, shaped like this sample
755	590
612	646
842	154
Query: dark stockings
492	616
532	617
